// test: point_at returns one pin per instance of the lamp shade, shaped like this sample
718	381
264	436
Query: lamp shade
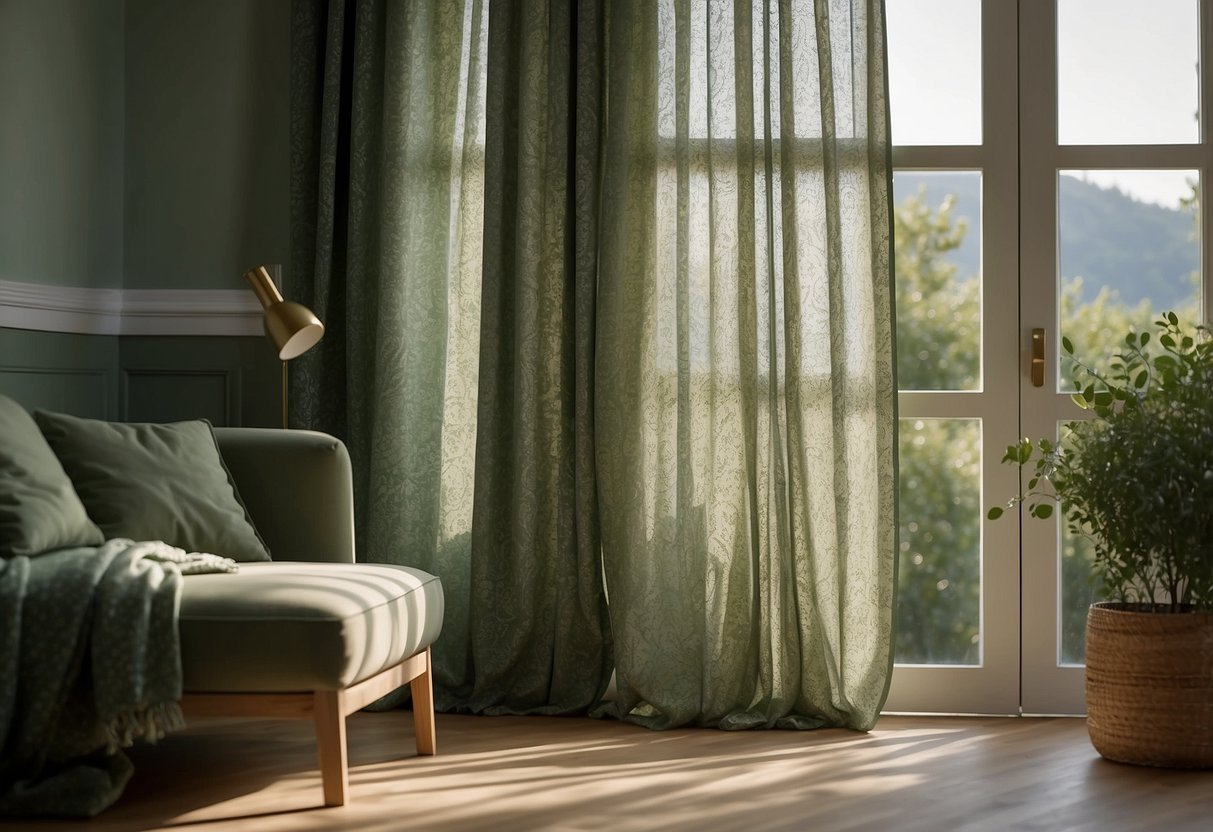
292	327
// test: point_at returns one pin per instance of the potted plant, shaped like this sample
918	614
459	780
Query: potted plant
1137	479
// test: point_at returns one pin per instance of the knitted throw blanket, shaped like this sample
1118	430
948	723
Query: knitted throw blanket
89	662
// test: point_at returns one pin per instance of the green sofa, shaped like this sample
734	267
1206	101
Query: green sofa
311	634
282	623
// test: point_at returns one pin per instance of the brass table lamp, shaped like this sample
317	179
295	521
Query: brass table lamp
292	327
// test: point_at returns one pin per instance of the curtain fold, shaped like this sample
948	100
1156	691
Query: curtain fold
541	642
432	210
745	394
387	143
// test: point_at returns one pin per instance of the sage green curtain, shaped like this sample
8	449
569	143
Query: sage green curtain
607	286
745	417
387	138
541	642
471	442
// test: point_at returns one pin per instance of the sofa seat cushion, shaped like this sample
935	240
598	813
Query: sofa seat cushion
286	626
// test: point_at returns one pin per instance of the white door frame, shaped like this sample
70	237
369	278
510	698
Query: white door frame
1048	686
1019	159
992	687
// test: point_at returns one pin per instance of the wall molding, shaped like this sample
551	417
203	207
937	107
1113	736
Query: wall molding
91	311
226	407
64	396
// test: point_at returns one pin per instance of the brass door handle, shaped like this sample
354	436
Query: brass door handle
1038	358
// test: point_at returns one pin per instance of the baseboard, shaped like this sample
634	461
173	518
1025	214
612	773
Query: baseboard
89	311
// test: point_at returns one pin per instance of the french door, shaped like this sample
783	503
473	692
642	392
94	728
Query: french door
1048	160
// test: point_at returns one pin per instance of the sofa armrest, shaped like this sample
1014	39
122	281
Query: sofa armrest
298	487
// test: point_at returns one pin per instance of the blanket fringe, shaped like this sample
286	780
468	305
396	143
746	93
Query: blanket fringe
151	723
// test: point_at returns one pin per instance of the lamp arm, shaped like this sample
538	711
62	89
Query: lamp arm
263	287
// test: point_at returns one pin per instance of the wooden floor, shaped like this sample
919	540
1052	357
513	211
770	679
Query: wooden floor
507	773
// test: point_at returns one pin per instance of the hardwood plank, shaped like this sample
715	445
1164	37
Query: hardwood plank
524	773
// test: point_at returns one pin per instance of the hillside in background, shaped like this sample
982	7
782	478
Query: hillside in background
1107	237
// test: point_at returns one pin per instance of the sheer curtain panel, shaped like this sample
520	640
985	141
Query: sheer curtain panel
387	212
745	418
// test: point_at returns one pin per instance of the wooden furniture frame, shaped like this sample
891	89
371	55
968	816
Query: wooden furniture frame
329	708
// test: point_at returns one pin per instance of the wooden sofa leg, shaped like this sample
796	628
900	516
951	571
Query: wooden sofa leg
422	688
331	746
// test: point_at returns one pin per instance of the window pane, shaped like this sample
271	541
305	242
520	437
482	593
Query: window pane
1127	72
935	71
1079	589
939	577
937	242
1128	251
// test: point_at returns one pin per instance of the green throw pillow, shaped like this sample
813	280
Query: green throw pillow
151	481
39	509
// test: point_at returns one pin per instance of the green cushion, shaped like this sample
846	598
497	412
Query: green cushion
155	482
39	509
283	626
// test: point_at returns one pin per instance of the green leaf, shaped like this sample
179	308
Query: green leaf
1173	318
1140	381
995	513
1042	511
1079	400
1145	338
1067	345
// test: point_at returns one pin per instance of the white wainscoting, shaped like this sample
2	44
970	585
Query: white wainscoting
89	311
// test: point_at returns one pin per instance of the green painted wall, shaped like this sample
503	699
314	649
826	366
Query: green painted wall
231	381
206	165
75	374
206	194
143	144
61	141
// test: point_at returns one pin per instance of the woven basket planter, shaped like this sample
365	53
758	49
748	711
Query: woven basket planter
1150	686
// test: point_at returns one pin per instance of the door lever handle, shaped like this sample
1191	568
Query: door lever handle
1038	358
